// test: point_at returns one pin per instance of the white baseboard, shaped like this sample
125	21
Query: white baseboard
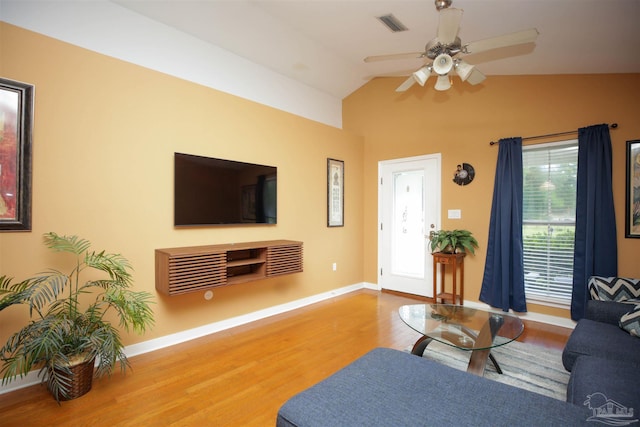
371	286
183	336
190	334
30	379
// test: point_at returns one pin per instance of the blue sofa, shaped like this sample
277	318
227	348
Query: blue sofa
602	356
600	333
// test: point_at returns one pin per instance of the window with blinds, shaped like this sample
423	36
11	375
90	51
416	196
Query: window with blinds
549	218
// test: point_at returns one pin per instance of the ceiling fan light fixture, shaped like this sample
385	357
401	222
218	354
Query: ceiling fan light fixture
422	75
443	64
442	52
443	83
463	69
442	4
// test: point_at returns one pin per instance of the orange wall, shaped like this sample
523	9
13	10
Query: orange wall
461	122
104	137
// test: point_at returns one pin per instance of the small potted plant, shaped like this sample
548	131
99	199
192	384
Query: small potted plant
453	241
68	330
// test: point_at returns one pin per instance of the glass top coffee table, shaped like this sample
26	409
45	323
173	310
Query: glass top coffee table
469	329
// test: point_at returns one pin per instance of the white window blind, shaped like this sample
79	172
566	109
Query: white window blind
548	229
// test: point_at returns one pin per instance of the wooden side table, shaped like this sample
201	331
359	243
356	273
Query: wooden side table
454	260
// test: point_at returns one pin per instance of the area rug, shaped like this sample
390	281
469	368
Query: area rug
523	365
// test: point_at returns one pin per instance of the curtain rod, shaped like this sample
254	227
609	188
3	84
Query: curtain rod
549	135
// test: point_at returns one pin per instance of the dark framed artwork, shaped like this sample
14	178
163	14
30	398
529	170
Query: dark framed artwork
16	121
335	193
632	205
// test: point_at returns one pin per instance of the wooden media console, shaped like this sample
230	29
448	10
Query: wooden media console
196	268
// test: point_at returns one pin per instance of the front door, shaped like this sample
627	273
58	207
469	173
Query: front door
409	208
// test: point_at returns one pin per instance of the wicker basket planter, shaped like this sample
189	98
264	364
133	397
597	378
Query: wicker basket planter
80	381
69	328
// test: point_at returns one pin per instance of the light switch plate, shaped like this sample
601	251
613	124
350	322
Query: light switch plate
454	214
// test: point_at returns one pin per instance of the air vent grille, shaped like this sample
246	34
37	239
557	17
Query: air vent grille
392	23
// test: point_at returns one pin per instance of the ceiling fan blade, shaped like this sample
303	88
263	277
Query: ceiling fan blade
520	37
475	77
406	85
449	25
408	55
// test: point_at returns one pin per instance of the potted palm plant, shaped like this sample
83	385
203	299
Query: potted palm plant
453	241
69	332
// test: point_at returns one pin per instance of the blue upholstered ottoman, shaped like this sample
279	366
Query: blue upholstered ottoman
391	388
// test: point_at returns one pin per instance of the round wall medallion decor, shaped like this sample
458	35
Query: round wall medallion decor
464	174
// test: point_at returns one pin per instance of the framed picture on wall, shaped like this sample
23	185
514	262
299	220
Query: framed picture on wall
16	121
632	211
335	193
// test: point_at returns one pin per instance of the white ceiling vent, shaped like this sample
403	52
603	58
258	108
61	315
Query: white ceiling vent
392	23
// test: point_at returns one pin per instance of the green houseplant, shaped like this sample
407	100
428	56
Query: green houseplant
69	323
453	241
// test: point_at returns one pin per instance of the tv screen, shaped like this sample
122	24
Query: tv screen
209	191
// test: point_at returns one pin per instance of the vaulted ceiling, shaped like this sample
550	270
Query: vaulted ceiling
322	43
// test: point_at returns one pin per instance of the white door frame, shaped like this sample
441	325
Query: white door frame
434	186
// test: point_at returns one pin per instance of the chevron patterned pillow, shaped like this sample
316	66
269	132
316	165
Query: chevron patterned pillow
618	289
630	322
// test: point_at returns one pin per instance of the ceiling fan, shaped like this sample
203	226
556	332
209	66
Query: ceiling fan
442	51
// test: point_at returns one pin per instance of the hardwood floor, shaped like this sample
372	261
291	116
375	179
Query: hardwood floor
238	377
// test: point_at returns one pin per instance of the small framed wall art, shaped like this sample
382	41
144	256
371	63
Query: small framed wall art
335	193
16	121
632	211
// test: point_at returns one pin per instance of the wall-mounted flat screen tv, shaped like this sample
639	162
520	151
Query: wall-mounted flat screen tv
209	191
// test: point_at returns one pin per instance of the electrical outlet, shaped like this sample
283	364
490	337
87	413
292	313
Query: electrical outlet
335	266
